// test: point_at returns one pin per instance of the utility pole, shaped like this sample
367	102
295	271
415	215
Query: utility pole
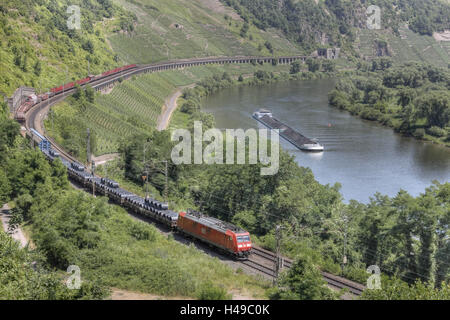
145	178
53	122
88	146
65	80
166	186
278	255
344	257
146	182
93	176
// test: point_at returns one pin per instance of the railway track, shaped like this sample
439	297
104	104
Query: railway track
34	120
332	280
259	267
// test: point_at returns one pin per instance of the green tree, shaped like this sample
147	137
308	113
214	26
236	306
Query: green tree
435	106
269	46
329	66
190	107
313	64
295	67
88	46
303	281
5	187
395	289
90	93
37	68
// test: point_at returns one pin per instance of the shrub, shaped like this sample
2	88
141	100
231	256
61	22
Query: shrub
419	133
208	291
295	67
139	231
356	109
436	131
371	114
189	107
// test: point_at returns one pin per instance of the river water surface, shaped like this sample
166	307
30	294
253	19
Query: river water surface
361	155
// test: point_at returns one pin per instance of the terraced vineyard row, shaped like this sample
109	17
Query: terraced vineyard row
132	106
408	47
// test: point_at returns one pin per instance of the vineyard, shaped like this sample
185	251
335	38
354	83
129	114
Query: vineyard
169	29
131	106
409	46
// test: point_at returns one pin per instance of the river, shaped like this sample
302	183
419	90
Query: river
362	156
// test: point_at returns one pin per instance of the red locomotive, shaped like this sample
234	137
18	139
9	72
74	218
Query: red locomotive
222	235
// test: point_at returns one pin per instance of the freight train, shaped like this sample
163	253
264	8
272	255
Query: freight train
33	99
221	235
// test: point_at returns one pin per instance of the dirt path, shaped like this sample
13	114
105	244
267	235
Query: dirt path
169	107
119	294
105	158
17	234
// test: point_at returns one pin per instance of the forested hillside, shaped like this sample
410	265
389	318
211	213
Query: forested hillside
39	50
313	24
306	21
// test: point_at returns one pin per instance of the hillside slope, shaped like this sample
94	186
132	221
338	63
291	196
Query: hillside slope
169	29
37	48
406	25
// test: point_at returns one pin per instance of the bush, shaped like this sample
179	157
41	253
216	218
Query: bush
419	133
208	291
371	114
190	107
436	131
139	231
295	67
356	109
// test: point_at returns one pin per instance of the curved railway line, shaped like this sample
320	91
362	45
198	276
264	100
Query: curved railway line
260	260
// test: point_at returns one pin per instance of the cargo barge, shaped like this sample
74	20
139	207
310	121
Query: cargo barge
294	137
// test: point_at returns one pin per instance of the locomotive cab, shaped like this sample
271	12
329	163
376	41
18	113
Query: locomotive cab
244	245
